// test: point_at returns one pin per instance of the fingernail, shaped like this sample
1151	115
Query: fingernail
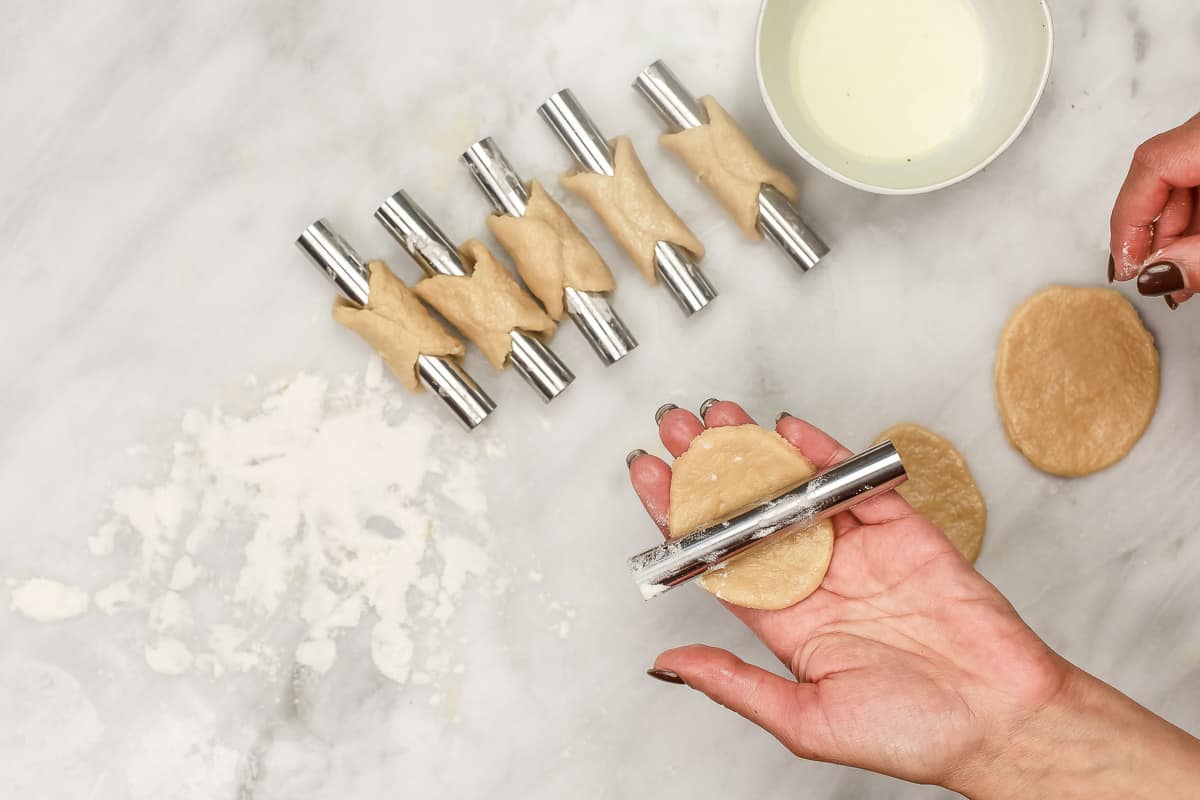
1112	269
706	405
666	676
1159	279
1171	304
782	416
663	410
633	456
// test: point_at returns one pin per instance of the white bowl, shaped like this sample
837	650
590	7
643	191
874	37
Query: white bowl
1019	43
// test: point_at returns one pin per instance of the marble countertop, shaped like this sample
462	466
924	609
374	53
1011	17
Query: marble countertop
160	160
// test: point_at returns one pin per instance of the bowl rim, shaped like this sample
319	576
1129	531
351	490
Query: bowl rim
887	190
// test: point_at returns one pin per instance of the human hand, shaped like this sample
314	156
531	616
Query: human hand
1155	226
906	660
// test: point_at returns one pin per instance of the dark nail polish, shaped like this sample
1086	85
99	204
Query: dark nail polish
782	416
663	410
666	676
1171	304
633	456
706	405
1159	279
1112	269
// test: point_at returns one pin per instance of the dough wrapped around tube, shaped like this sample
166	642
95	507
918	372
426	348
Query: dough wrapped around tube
729	165
397	325
485	305
632	209
550	251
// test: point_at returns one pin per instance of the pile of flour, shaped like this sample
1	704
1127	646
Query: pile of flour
328	509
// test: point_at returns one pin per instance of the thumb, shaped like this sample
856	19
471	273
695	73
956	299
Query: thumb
1173	271
788	710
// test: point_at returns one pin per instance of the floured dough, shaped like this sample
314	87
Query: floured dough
1076	379
726	470
940	486
730	165
632	209
397	325
550	252
486	305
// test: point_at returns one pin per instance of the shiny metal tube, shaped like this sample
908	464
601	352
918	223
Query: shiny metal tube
433	251
844	486
496	177
678	271
677	106
606	332
675	266
334	256
420	236
461	394
778	219
538	365
578	132
780	222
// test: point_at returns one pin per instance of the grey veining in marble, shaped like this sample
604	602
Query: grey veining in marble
158	162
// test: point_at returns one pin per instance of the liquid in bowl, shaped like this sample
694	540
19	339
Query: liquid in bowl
902	96
888	80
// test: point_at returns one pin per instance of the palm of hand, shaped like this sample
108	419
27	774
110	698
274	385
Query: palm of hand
908	661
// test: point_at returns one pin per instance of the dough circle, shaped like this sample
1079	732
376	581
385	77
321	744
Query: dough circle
1076	379
940	486
724	471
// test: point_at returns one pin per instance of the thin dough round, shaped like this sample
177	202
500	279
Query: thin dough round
726	470
1076	379
940	486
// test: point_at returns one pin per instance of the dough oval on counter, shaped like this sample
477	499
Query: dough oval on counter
724	471
940	486
1077	379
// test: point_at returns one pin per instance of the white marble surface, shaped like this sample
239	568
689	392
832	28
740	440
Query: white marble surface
160	159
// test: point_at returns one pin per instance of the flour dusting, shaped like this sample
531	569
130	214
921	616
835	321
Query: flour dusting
272	534
45	600
168	656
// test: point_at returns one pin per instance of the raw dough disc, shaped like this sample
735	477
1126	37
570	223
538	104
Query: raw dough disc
1076	379
724	471
940	486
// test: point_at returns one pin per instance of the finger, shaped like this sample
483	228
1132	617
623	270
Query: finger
677	428
1179	298
1176	218
1131	229
1194	228
1173	269
651	479
824	452
789	711
723	413
1167	161
817	446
